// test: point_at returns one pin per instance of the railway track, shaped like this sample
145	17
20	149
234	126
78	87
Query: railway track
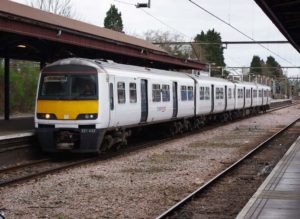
41	167
38	169
198	204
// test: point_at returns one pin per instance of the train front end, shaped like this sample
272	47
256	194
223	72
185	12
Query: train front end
67	108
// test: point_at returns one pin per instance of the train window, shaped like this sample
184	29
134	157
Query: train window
240	93
229	93
121	92
183	93
265	93
68	86
190	93
221	93
201	93
132	92
156	93
165	93
206	93
248	93
83	86
260	93
254	93
217	93
54	86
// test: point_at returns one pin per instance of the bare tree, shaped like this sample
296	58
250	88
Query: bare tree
164	38
60	7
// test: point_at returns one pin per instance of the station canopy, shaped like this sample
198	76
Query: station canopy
285	14
31	34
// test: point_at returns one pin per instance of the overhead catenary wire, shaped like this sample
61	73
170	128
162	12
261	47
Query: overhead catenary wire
157	19
239	31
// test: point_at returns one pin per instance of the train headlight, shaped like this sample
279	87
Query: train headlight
48	116
87	116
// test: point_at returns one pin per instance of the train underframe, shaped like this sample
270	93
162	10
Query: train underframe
88	139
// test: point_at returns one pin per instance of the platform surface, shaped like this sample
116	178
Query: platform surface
16	126
279	195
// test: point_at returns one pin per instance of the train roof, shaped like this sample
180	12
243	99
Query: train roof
104	66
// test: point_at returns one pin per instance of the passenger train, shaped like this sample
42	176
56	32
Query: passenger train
88	106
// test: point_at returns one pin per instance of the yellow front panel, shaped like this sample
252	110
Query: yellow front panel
67	109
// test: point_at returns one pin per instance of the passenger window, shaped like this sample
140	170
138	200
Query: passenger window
121	93
217	93
190	92
165	93
156	93
255	93
247	93
201	93
132	92
183	93
240	93
207	93
221	93
229	93
260	93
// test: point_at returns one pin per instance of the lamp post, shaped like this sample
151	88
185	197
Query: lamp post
209	68
143	5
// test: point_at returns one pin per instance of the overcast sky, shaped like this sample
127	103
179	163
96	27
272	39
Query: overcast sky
182	17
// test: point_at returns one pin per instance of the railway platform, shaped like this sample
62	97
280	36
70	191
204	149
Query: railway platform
279	195
280	102
16	127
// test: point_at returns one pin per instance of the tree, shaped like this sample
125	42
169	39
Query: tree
164	38
213	50
273	67
113	19
256	65
60	7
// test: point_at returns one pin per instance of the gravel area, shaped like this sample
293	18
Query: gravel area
144	183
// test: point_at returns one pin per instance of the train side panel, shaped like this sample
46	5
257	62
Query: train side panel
204	104
159	99
126	108
185	95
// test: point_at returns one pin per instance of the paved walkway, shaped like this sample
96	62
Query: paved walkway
279	195
16	126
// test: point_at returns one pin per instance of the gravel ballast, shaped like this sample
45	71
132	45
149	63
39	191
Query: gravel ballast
144	183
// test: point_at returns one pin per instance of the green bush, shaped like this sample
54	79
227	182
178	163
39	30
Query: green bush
23	82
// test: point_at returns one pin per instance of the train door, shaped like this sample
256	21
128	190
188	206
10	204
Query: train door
144	100
226	97
175	100
212	98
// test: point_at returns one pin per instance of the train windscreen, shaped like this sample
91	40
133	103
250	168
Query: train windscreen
68	87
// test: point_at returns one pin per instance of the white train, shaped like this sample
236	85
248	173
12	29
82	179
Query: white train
88	106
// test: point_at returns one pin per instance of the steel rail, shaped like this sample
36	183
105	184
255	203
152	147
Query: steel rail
213	180
94	159
45	172
11	168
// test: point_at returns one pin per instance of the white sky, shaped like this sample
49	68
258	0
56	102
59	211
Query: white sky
189	20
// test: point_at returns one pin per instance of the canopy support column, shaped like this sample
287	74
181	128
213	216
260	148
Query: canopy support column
6	89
